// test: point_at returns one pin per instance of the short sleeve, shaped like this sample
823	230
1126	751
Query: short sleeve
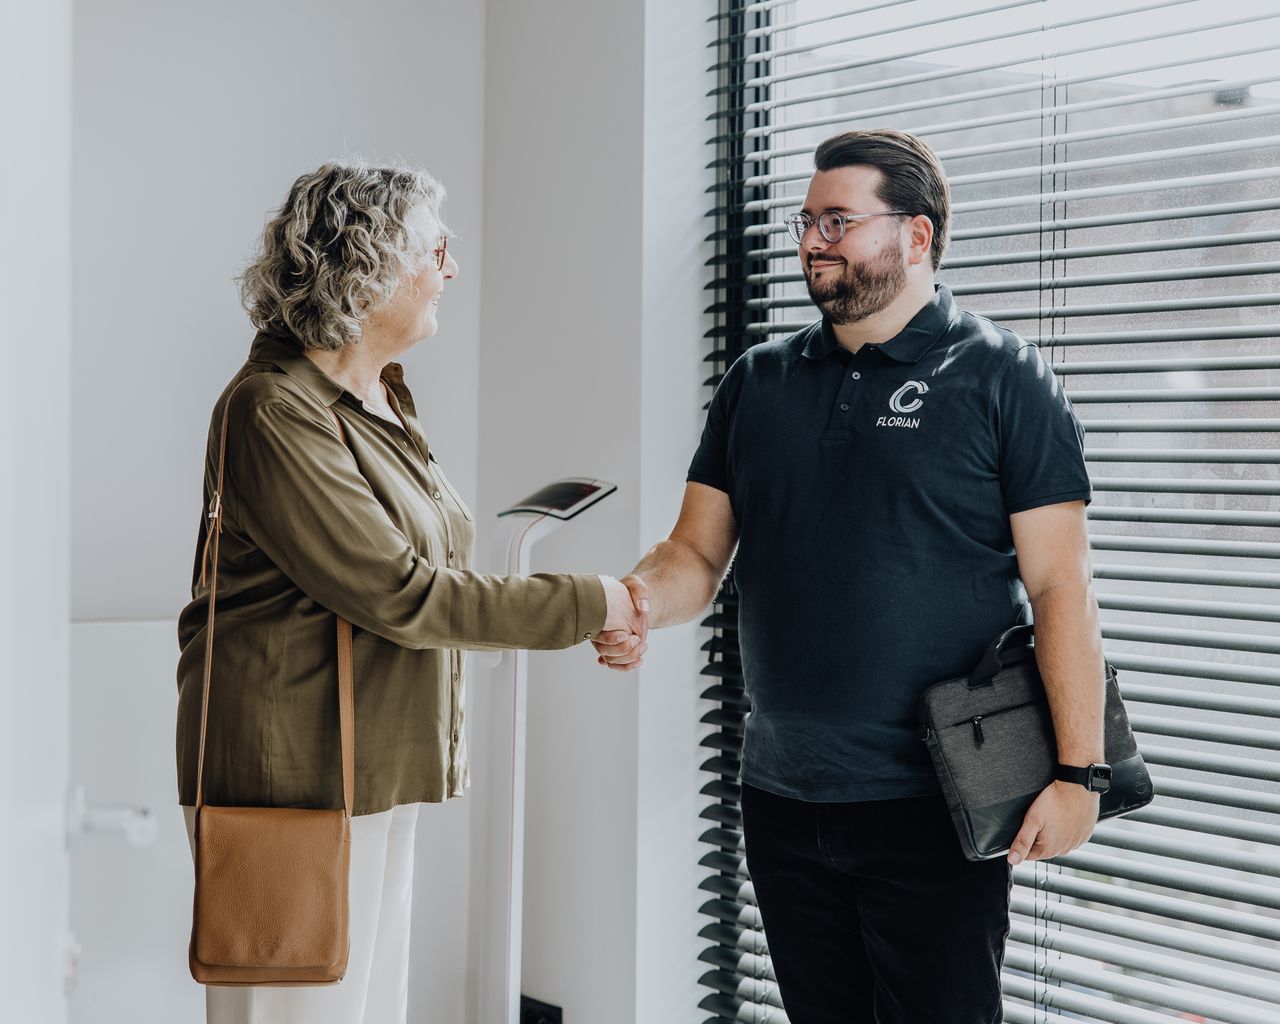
710	464
1041	441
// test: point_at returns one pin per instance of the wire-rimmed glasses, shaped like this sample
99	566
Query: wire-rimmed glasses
440	250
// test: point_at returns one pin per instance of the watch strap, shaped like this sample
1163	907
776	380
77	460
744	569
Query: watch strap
1086	776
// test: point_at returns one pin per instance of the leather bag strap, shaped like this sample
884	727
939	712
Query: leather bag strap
346	671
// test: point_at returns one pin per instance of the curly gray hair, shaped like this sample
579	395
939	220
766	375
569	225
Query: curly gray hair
346	236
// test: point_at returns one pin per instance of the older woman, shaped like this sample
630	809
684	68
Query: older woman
358	521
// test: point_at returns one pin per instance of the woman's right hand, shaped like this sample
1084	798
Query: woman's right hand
626	628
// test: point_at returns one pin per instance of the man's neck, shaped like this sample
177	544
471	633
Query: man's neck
889	322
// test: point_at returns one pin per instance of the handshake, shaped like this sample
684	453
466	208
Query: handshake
621	644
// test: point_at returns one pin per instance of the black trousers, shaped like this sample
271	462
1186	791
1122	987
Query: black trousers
872	914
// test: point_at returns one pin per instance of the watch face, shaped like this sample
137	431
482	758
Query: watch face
1099	777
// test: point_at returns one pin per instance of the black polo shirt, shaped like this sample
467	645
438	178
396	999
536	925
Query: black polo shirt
873	494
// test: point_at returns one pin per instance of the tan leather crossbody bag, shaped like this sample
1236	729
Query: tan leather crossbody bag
271	882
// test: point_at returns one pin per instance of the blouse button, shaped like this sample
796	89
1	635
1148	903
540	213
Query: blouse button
436	495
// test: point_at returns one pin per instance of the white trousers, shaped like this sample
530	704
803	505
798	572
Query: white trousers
375	989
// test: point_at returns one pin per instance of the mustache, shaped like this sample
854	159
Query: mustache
818	258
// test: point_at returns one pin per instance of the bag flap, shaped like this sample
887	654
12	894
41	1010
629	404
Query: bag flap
271	886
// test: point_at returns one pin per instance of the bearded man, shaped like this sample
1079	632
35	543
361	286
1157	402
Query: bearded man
902	481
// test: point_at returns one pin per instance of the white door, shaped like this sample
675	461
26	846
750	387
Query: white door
35	201
131	876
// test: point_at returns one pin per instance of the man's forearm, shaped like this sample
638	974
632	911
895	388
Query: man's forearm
681	582
1069	654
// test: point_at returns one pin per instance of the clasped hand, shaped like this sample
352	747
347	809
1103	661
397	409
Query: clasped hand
621	644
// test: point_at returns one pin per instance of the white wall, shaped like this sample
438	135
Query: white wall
35	169
671	392
559	396
190	122
591	365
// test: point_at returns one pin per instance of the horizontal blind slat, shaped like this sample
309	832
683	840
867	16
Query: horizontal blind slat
1226	517
1220	826
1227	703
1120	218
1218	764
1025	171
1221	1009
1047	286
1125	131
1046	911
1214	976
1026	83
1176	545
1091	1007
765	56
1120	835
1218	425
1041	198
1145	485
1081	252
1198	669
787	26
762	81
1214	640
1207	577
1140	901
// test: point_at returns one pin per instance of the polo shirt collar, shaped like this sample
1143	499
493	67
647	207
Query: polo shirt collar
912	342
283	352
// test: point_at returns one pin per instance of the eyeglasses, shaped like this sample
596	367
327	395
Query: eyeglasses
832	224
440	251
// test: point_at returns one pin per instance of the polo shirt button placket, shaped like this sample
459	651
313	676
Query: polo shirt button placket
841	421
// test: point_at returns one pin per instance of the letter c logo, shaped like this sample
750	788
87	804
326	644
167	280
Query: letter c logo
896	402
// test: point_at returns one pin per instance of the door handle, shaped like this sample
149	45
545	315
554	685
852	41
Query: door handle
138	825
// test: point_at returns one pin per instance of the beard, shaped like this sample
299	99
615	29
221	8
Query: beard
861	289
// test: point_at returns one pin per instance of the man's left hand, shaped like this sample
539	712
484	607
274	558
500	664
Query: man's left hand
1061	819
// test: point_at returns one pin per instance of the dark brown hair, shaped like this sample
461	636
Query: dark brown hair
912	179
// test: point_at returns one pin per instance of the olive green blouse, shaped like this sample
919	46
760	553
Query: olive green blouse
368	529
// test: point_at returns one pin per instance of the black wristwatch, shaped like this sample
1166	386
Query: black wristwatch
1096	778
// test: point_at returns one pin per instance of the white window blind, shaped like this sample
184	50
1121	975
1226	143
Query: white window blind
1115	189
